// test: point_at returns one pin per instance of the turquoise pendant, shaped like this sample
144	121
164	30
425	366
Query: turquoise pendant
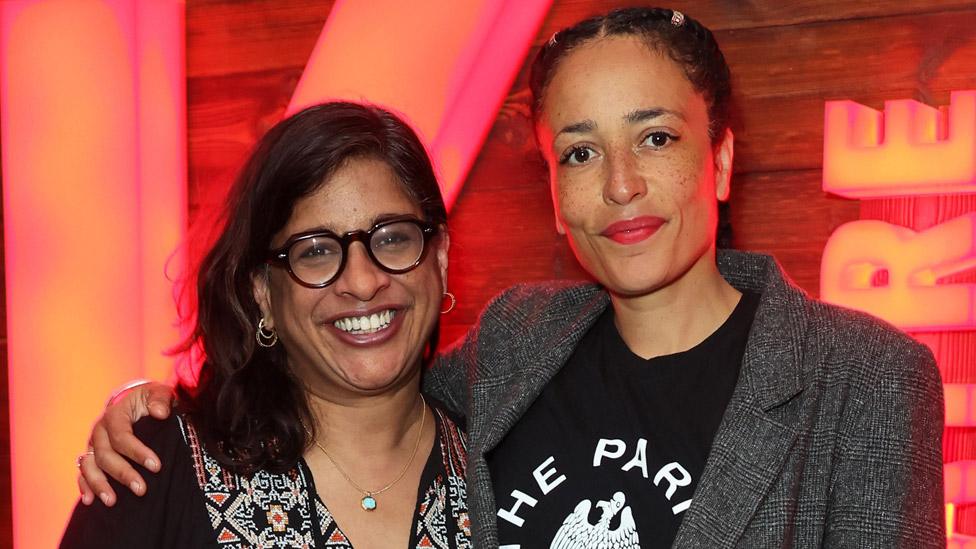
368	503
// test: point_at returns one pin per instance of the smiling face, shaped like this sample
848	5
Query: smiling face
633	170
329	344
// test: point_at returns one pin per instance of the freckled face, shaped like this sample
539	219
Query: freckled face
368	357
633	172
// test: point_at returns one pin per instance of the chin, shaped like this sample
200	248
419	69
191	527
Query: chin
633	288
377	383
368	376
632	278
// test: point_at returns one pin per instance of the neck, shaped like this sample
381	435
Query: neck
678	316
378	424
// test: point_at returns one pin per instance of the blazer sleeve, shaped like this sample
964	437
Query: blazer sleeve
172	513
887	485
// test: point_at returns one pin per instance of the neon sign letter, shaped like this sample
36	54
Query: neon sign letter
859	255
918	150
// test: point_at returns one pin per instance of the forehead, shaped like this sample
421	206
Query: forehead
611	77
353	197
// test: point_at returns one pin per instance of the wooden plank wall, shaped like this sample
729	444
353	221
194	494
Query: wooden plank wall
787	57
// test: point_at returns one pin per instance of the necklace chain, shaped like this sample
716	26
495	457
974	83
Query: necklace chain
369	501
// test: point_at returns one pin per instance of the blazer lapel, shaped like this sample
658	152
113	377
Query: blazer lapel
753	441
559	333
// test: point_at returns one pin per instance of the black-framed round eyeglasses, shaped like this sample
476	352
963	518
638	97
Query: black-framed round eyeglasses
315	259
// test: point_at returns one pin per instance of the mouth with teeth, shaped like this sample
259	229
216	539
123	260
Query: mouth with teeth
367	324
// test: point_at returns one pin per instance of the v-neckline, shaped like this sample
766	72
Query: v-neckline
426	479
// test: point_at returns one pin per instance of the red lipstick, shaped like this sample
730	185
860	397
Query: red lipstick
632	231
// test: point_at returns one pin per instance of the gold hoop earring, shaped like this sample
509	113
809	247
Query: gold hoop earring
453	299
265	339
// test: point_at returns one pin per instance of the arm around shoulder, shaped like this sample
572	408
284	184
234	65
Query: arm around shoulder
171	514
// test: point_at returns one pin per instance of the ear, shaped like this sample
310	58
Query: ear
443	246
723	167
261	286
553	193
544	135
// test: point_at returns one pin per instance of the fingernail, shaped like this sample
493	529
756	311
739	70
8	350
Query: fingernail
104	497
151	465
87	499
135	486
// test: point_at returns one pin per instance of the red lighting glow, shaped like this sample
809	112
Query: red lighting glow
960	405
93	109
960	482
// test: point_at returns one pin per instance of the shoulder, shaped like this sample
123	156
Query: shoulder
825	333
542	299
868	344
170	514
166	434
799	341
861	364
528	319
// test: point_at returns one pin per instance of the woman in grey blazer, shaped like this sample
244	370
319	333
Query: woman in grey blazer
690	398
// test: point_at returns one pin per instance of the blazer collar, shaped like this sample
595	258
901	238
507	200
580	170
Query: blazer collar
753	440
559	329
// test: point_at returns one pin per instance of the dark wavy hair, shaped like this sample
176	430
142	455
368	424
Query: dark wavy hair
689	44
247	405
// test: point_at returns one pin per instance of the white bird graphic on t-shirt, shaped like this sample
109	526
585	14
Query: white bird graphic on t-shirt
577	532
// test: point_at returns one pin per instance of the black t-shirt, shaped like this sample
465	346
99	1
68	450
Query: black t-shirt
612	450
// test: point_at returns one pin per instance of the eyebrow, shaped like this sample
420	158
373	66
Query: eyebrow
585	126
376	220
643	115
633	117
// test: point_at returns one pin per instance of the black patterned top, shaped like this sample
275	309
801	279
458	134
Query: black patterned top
195	502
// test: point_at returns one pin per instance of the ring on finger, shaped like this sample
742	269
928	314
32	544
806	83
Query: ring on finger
83	455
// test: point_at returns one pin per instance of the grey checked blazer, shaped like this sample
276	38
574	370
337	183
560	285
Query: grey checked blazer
832	438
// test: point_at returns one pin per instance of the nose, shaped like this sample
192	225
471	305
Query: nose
361	278
624	183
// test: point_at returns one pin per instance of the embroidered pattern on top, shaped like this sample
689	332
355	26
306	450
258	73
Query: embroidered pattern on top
273	510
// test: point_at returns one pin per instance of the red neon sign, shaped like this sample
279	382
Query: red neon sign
444	65
894	273
94	179
917	150
960	405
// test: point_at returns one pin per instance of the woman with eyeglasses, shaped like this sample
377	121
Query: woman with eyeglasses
691	398
317	308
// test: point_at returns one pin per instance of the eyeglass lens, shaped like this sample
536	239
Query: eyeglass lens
395	247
